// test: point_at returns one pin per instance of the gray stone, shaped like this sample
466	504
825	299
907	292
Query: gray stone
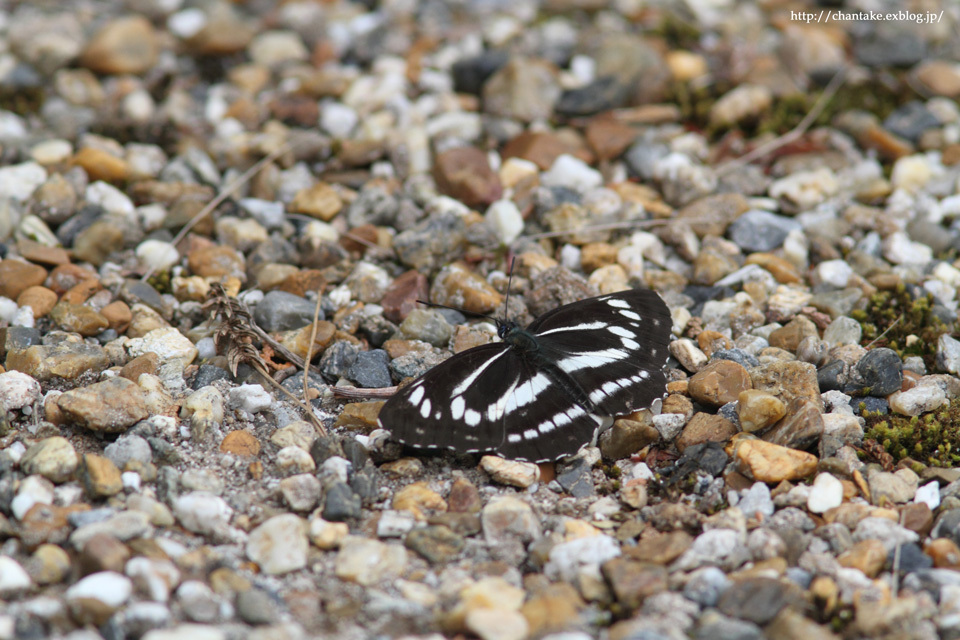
282	311
758	230
128	448
369	370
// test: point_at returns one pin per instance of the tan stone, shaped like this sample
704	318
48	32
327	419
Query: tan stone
772	463
241	443
17	276
758	410
319	201
100	476
40	299
719	383
417	498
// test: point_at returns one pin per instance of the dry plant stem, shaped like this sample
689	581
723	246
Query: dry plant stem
305	406
224	194
885	331
313	336
832	87
353	392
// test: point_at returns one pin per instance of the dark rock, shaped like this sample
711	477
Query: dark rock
469	74
377	329
871	404
337	359
430	244
364	484
373	205
207	374
719	627
282	311
602	94
911	120
17	339
576	480
831	376
77	223
134	291
355	452
912	558
947	526
369	370
890	45
758	230
341	503
758	600
881	371
325	447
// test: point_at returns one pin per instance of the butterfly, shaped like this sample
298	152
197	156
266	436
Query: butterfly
543	392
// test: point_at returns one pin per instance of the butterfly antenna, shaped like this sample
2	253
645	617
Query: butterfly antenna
465	312
506	300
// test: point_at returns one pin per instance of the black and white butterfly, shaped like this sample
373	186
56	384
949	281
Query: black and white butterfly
544	391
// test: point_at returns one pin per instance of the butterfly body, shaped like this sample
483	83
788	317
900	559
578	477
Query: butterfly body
543	391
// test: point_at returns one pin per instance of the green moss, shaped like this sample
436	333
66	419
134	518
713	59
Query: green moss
891	316
932	439
678	33
160	281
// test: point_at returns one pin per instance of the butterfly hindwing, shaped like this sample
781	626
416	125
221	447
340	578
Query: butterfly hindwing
615	351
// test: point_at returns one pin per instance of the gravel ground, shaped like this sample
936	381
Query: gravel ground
789	185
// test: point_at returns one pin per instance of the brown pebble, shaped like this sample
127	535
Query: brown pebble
540	148
464	173
40	299
360	416
719	383
705	427
677	403
78	318
17	276
869	556
319	201
100	476
303	281
945	553
147	363
217	261
710	341
402	294
122	45
81	292
241	443
101	165
632	582
608	137
66	276
103	552
118	314
758	410
792	334
464	497
782	270
42	254
772	463
917	516
594	255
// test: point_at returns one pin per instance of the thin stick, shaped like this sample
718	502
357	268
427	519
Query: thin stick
885	331
353	392
224	194
307	409
832	87
313	336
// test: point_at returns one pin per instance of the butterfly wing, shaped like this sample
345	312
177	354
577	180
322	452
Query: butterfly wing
613	346
450	405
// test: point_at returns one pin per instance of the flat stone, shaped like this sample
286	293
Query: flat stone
437	543
787	380
719	383
705	427
793	333
465	174
100	476
110	406
506	518
632	582
768	462
40	299
510	472
627	437
369	562
279	545
78	318
122	45
93	599
241	443
16	276
757	410
17	390
419	499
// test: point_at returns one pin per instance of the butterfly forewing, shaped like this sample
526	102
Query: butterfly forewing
594	359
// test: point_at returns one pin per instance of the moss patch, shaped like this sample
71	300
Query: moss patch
932	439
891	317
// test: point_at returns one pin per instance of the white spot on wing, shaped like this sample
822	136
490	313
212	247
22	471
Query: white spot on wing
456	407
546	427
620	331
514	437
530	434
618	303
526	392
471	417
630	314
416	396
630	344
425	408
591	359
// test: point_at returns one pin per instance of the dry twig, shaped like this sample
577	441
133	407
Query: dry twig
832	87
236	337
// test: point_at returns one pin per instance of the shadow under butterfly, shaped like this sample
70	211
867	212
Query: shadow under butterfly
543	392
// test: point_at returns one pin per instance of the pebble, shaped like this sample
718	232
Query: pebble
279	545
111	406
768	462
13	577
826	493
202	512
369	562
250	398
510	472
93	599
507	517
301	492
757	410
